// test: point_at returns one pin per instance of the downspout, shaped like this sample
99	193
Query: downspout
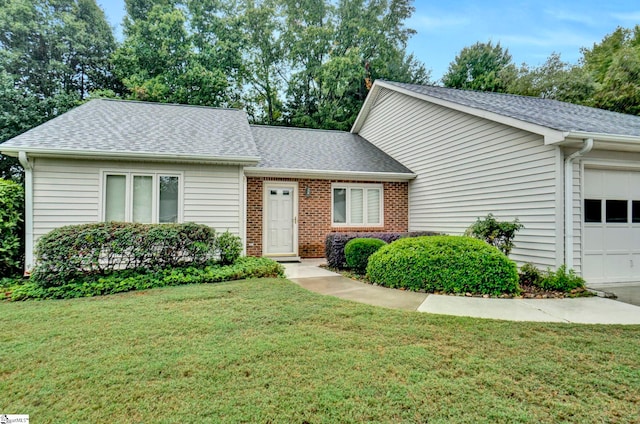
568	201
28	211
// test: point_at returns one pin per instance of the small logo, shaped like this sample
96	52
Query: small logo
14	419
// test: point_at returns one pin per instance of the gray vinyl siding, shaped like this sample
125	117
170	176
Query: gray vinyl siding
468	167
67	192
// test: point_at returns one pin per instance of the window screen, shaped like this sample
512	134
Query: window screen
143	198
115	198
168	207
339	205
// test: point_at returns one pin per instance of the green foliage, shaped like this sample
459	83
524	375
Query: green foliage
497	233
529	274
57	47
357	252
560	280
228	247
102	248
142	279
482	67
11	230
556	80
450	264
157	61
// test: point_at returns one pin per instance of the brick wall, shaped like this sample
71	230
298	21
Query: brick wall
314	213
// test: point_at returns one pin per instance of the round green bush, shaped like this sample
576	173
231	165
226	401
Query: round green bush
450	264
358	250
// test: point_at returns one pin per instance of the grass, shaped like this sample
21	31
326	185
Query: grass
267	351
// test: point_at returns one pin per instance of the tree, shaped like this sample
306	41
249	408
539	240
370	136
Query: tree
482	67
614	64
342	48
52	54
56	47
265	64
554	79
158	61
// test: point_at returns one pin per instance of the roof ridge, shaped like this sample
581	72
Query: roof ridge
143	102
297	128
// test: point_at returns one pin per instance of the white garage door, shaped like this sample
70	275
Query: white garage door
611	215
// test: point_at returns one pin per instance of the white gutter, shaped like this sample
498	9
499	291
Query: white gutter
568	201
327	174
615	138
88	154
28	210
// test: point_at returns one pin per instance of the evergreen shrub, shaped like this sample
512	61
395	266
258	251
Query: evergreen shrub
560	280
335	243
357	252
497	233
11	229
449	264
102	248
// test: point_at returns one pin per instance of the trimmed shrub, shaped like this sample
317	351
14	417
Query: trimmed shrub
128	280
450	264
11	233
357	252
561	280
228	248
335	243
68	252
497	233
529	274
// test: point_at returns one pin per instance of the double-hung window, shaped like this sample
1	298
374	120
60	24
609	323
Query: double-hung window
356	205
142	197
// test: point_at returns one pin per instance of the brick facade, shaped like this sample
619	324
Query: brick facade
314	213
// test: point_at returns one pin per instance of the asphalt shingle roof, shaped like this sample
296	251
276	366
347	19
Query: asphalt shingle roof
307	149
544	112
104	126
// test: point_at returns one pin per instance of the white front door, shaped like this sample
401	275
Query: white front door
611	223
280	224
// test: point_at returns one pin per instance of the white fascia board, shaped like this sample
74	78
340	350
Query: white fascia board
602	137
369	101
124	155
550	135
328	175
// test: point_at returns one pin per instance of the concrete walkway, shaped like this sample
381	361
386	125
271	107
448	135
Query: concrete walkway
590	310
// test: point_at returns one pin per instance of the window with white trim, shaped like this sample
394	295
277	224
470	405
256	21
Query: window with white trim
141	197
356	205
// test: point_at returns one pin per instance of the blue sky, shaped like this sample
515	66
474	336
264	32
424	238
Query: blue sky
531	30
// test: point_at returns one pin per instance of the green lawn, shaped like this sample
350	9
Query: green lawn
267	351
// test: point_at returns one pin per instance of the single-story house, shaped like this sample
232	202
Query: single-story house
417	158
282	190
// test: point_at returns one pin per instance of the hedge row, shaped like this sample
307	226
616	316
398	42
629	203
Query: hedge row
336	242
103	248
128	280
450	264
11	232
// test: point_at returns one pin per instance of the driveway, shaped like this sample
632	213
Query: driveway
627	293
